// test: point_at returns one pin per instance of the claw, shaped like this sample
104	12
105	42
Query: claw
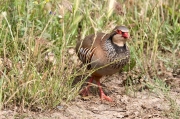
85	92
102	95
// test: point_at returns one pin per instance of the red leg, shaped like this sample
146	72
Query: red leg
85	91
102	95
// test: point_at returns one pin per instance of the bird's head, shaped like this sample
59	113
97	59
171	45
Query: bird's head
120	35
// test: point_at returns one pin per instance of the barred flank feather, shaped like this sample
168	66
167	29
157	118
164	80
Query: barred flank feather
85	54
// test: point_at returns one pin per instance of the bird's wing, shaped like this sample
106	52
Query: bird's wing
90	46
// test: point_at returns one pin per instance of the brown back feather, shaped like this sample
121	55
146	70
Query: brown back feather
87	47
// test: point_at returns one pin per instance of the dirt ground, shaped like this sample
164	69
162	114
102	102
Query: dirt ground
143	104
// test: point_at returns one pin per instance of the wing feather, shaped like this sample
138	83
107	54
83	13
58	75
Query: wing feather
85	54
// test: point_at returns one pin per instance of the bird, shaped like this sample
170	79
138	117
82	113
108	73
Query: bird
107	53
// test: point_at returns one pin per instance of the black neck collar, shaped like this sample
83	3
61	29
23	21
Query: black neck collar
118	49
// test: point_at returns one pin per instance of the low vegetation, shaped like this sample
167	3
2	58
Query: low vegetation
38	64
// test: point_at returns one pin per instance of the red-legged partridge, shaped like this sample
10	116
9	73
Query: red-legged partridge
107	53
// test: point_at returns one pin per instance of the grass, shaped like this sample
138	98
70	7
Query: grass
37	69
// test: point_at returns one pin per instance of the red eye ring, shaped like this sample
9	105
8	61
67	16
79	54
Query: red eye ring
119	31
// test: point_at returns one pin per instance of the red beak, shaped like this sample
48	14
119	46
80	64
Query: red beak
125	35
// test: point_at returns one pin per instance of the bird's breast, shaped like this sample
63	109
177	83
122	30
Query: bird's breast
106	65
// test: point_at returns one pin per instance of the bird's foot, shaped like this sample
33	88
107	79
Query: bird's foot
84	92
104	97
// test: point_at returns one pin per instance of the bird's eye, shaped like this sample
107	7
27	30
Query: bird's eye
119	31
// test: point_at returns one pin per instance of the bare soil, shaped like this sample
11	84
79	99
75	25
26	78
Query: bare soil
127	104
